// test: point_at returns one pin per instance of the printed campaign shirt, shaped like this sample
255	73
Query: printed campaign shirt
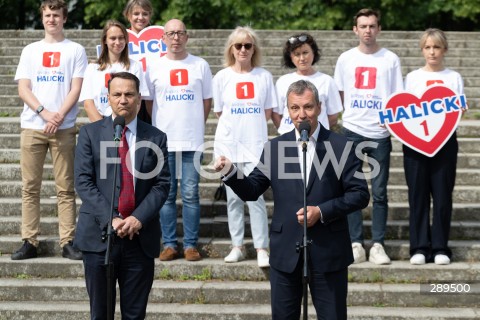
367	80
242	98
50	67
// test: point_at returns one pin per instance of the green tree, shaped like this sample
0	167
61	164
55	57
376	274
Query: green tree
449	15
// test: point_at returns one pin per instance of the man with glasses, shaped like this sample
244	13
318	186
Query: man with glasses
181	88
366	76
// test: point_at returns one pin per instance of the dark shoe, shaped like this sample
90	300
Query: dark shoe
70	252
192	254
27	251
168	254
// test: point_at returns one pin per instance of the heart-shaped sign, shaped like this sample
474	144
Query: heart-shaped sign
424	124
147	45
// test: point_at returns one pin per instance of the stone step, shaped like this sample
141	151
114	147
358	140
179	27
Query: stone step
217	227
79	310
326	65
11	207
247	270
326	50
463	250
466	145
276	60
465	177
235	292
396	193
467	162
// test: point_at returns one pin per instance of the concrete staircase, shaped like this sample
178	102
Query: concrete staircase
51	287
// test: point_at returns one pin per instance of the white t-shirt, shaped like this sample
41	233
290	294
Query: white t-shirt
367	80
50	67
242	98
178	88
418	80
95	84
327	93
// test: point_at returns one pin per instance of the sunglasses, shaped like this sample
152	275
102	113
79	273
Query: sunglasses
239	46
301	38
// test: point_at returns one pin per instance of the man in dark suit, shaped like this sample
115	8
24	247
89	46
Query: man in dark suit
137	232
335	187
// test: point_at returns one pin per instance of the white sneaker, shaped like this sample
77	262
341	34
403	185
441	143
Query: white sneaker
263	258
417	259
442	259
235	255
377	255
358	253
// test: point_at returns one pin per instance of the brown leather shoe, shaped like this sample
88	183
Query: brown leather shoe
168	254
192	254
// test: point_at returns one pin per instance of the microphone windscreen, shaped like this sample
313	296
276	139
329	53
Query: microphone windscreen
304	125
119	121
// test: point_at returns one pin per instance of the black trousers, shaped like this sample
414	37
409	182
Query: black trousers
328	293
134	273
430	178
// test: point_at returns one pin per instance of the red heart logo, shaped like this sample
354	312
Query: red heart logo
424	124
147	45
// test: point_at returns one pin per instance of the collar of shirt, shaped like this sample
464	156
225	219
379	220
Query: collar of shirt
310	150
131	136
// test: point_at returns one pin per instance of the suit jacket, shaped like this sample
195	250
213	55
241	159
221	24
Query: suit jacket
95	189
336	196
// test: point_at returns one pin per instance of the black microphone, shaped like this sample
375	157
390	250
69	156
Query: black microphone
118	125
304	129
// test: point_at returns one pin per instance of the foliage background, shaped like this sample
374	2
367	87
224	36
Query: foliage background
449	15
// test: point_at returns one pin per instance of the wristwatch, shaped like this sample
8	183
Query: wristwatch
39	109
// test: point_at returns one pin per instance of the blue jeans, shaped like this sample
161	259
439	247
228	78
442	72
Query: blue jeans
381	154
181	168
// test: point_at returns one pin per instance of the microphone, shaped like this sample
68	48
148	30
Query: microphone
118	124
304	129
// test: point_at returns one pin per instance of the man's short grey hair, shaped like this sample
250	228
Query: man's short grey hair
299	88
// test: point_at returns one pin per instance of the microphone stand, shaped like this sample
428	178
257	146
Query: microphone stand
108	236
306	242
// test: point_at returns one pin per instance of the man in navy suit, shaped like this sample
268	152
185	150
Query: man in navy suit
137	237
335	187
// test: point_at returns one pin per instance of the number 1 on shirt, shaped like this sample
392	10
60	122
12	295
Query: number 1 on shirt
178	77
245	90
365	78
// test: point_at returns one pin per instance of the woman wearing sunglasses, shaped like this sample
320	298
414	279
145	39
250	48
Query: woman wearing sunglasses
243	95
301	52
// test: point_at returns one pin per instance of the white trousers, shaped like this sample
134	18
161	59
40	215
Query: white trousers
236	215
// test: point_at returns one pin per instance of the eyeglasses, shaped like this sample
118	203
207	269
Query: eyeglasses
301	38
239	46
180	34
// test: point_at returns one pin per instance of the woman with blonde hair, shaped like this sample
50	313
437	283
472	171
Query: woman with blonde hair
113	58
431	177
244	96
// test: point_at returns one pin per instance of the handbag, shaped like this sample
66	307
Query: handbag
221	192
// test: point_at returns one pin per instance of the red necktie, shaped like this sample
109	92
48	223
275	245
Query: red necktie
126	201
